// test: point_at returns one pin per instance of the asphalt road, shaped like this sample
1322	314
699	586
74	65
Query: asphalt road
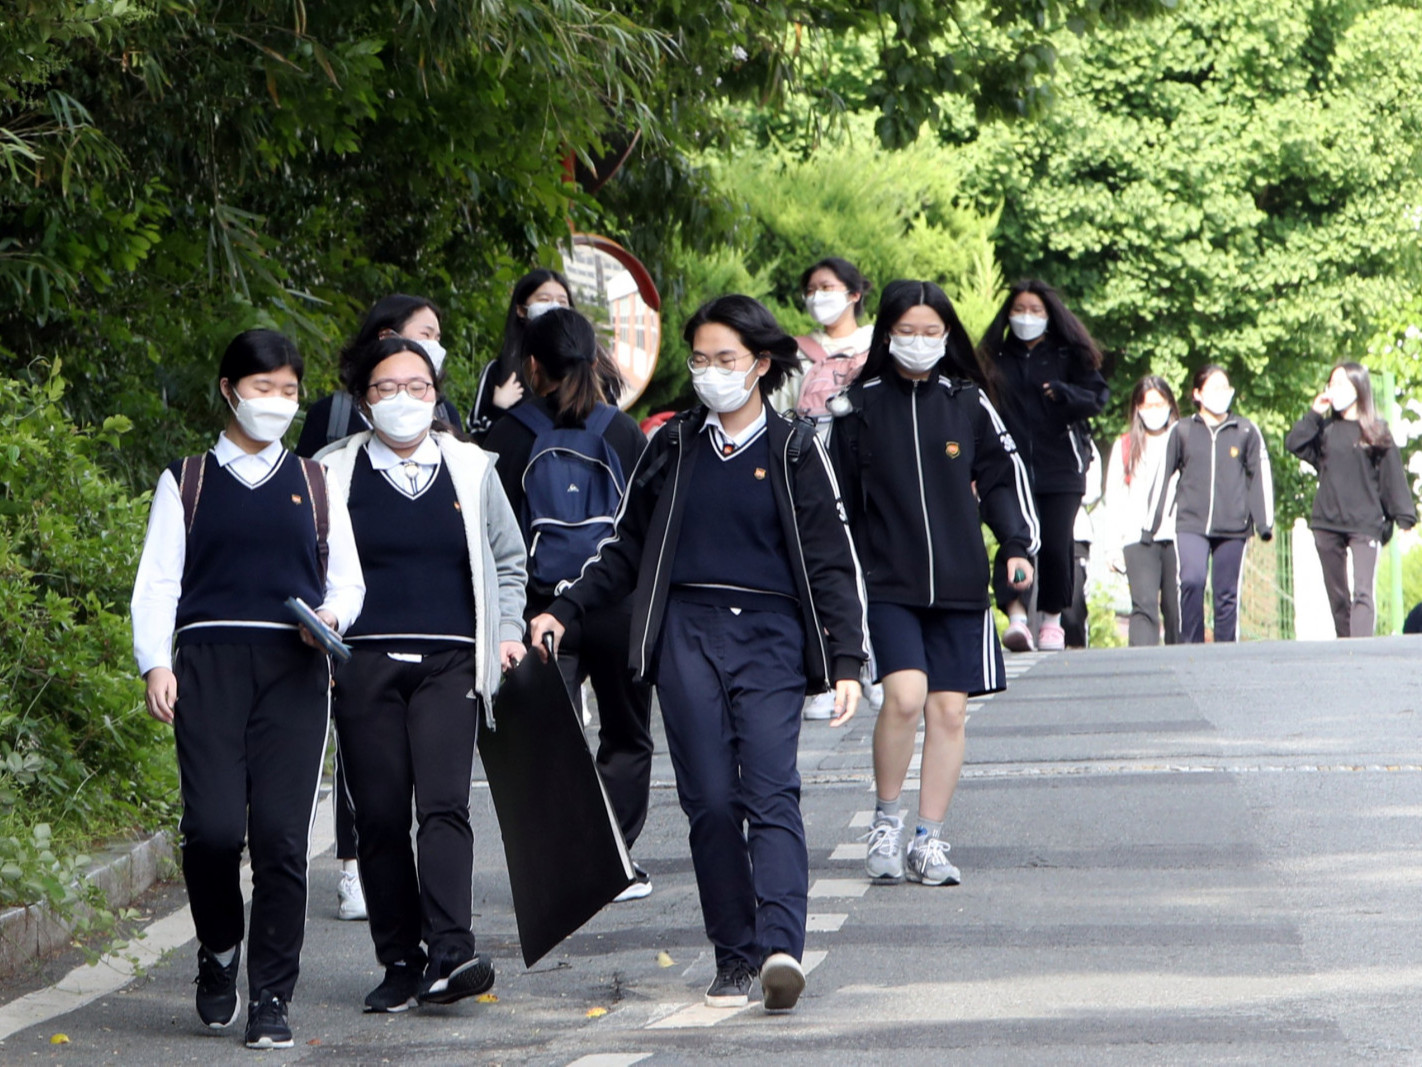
1206	855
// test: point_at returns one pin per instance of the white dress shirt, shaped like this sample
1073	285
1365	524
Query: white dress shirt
411	474
727	445
159	582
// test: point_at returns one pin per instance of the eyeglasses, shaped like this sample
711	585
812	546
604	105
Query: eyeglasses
384	390
909	331
721	360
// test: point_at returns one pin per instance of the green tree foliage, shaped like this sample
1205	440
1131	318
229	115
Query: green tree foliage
1237	184
77	748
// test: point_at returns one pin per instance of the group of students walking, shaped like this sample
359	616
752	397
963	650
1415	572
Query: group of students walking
754	568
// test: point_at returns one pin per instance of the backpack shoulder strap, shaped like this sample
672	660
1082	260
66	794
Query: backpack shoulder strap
190	487
532	416
600	419
315	475
342	406
812	348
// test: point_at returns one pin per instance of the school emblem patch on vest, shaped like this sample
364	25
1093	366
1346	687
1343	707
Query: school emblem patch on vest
1233	451
760	474
952	449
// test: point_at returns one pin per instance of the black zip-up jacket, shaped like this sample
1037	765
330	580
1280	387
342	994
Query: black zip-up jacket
1361	490
637	559
1225	489
908	455
1042	427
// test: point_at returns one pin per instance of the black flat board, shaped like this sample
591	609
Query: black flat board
565	852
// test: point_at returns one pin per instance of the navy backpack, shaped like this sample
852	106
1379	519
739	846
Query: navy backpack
572	489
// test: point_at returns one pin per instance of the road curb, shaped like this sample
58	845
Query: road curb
122	872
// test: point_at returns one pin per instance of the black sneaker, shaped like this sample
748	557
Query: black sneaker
218	1002
266	1022
398	992
731	989
445	984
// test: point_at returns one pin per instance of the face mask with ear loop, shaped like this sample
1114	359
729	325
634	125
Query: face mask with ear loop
724	391
262	418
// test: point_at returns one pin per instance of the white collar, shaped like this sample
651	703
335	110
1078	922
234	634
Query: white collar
227	451
383	457
713	420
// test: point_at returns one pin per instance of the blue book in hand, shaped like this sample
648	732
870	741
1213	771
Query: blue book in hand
326	637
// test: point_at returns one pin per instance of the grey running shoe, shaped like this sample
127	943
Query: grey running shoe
884	862
928	862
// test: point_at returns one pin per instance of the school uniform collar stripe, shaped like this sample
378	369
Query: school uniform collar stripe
727	445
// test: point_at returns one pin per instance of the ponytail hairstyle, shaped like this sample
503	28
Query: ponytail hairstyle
847	273
1136	435
756	327
1373	432
564	346
1061	323
899	296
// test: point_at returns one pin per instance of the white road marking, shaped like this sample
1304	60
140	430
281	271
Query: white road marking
850	850
838	887
86	984
863	819
610	1059
701	1015
827	922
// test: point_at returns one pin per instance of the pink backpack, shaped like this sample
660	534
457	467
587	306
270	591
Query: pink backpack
826	376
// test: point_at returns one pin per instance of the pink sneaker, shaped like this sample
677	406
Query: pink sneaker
1051	638
1017	638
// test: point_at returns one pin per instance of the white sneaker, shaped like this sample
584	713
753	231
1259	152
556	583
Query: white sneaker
884	862
782	980
928	862
820	707
351	896
641	886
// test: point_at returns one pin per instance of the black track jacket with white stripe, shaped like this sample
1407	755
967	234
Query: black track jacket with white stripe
1226	488
909	456
638	558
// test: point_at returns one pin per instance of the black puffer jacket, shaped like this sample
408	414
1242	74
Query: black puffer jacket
1042	427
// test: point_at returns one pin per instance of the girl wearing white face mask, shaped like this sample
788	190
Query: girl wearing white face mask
338	416
332	419
1362	491
231	536
834	292
444	565
921	453
1044	372
1131	472
1224	494
745	595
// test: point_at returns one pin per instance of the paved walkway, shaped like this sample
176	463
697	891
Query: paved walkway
1199	855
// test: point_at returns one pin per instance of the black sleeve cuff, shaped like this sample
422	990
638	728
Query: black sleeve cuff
847	668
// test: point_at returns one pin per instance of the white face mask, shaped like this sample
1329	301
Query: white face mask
1155	418
263	418
826	306
1027	327
1342	396
540	307
402	418
1217	401
918	354
723	391
434	350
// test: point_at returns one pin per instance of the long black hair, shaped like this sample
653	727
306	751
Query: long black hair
756	327
388	313
1136	435
1061	323
564	346
1373	431
899	296
516	324
259	351
847	273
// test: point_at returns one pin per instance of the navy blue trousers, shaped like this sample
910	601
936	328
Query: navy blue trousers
731	686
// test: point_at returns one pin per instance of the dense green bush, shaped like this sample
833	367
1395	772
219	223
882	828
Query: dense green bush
79	756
